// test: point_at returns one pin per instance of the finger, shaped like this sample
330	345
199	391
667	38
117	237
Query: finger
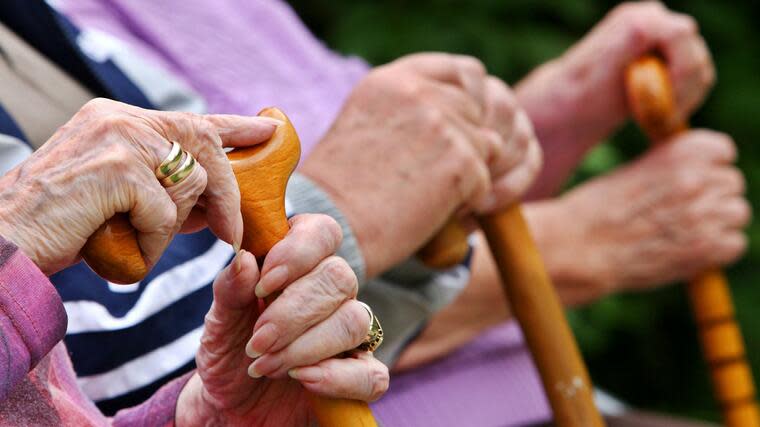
509	188
733	214
200	137
195	221
290	258
152	213
487	143
452	98
233	309
234	286
725	181
730	248
501	107
691	71
459	70
185	194
344	330
704	144
243	131
516	147
361	377
303	304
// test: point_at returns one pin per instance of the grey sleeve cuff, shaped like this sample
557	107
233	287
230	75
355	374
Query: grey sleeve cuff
303	196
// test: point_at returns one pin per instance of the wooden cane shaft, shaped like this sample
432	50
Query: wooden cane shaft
262	172
650	96
539	311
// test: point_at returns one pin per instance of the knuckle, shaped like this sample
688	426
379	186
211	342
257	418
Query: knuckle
745	214
379	380
203	129
435	121
355	323
117	159
471	65
330	229
690	24
687	182
97	105
338	274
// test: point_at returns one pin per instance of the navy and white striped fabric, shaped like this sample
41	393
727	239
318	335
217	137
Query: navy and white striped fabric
119	351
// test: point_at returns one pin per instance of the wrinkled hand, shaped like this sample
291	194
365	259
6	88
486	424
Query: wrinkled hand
315	318
416	140
103	161
585	86
626	33
669	215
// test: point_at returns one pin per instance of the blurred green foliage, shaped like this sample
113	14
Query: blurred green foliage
640	347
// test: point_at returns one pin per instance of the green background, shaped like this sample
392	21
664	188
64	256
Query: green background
640	347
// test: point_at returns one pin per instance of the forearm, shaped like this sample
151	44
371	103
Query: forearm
165	407
32	318
482	304
561	106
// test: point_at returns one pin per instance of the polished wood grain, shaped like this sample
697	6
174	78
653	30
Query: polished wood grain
650	96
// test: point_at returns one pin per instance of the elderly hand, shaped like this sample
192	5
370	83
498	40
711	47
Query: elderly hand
588	79
314	319
676	211
417	139
103	161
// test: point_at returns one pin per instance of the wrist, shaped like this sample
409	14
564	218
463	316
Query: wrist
192	408
11	233
567	102
567	251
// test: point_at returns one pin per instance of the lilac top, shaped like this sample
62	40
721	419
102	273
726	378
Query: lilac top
240	55
37	383
243	55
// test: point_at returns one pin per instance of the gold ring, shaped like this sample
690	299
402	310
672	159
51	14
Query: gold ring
171	162
175	178
374	333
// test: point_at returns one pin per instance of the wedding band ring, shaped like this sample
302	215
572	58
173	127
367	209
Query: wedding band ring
170	163
374	332
183	172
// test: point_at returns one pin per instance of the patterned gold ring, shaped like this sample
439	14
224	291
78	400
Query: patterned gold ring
374	332
182	172
170	163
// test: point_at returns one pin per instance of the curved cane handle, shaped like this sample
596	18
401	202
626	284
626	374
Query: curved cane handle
650	96
262	172
447	248
113	253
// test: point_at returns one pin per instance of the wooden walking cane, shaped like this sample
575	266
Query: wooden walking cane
262	172
650	96
536	307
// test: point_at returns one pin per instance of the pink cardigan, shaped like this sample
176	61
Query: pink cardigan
37	383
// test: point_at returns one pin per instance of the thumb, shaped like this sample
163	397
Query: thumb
234	286
242	131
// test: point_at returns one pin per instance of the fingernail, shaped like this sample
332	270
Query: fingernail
261	341
270	120
309	374
237	264
272	280
237	238
252	371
